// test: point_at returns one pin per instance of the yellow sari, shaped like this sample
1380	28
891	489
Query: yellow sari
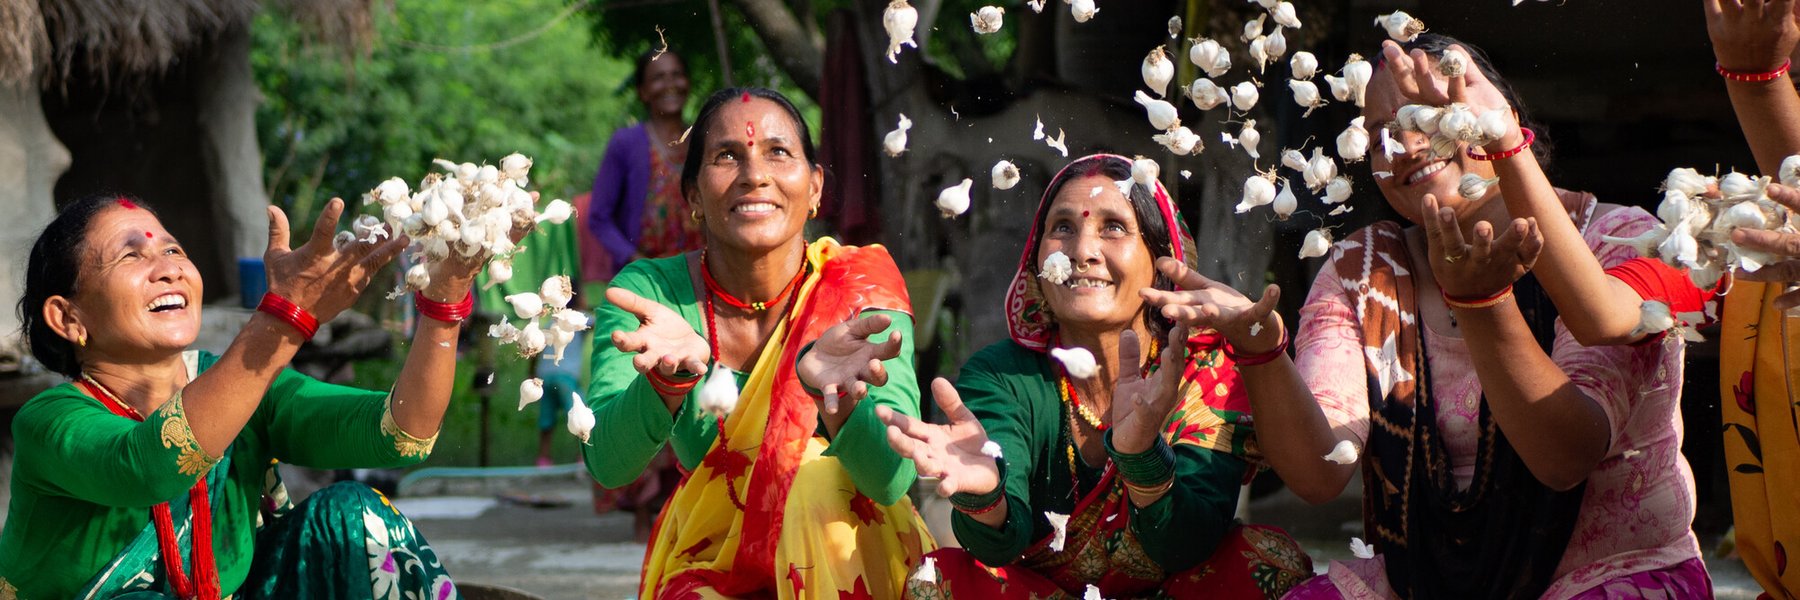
765	514
1757	368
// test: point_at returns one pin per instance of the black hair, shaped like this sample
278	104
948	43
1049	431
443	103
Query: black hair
643	64
1151	225
53	270
1435	44
690	168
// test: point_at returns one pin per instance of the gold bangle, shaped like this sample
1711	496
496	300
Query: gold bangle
1485	303
1150	492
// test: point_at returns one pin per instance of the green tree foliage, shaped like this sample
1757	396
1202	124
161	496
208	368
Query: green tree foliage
466	81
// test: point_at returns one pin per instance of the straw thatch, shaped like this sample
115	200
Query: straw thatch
109	40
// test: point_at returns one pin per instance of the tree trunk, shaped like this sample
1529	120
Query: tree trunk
31	159
228	96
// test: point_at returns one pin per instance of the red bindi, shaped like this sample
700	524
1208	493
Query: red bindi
750	132
147	235
127	203
745	98
1084	214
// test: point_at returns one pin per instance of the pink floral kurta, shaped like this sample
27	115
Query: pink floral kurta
1639	503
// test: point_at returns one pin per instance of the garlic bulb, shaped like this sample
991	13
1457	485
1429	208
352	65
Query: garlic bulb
504	331
1145	172
1259	52
1319	170
516	167
556	340
1162	114
1258	190
1340	87
1338	190
1493	125
556	212
557	291
1474	187
1082	10
954	200
530	340
1680	247
1400	26
498	272
1057	268
1285	202
987	19
1157	70
1344	453
1738	186
719	395
1180	140
1454	64
580	419
1742	214
1079	362
1254	28
1645	243
1317	243
1249	138
1277	45
1306	94
1361	550
530	391
1175	27
1005	175
526	304
1357	73
343	240
1790	171
1212	58
1675	206
899	19
1037	6
1304	64
1353	143
1285	15
895	142
1687	181
392	191
1244	96
1293	159
368	229
1205	94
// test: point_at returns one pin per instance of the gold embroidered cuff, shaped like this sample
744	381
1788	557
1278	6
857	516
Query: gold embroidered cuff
404	443
190	460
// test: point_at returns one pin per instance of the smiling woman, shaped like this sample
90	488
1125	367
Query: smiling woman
112	302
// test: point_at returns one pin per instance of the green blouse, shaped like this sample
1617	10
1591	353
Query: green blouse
84	479
632	424
1012	390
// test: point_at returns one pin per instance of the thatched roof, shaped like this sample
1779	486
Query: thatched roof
112	39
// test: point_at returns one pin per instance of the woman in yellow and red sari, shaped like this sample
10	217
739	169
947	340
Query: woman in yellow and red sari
1125	480
794	493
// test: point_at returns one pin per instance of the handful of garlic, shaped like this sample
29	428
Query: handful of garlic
1447	126
467	210
1698	214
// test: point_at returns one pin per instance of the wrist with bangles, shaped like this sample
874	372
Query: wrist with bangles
282	308
1259	358
448	312
1752	77
1478	302
1524	144
977	504
672	386
1150	472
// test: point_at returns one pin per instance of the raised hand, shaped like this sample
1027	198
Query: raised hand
1784	245
1201	303
1751	36
1141	404
952	453
1421	82
663	341
316	276
1488	265
844	362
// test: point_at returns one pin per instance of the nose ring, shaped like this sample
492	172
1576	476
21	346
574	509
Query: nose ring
1081	267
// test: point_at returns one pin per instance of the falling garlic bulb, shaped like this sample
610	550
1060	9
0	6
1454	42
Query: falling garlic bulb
1082	10
530	391
1259	52
418	276
1361	549
1162	114
1258	190
1078	361
1249	138
1277	45
895	142
1306	94
1317	243
516	167
1181	141
1304	64
1037	6
954	200
1353	143
580	419
498	272
1205	94
1254	28
1400	26
526	304
1005	175
987	19
1357	73
531	340
1340	88
1285	202
1653	317
1344	453
343	240
719	395
1319	170
1210	57
556	340
1790	171
1244	96
557	291
1454	64
1057	268
1285	15
1474	187
1493	125
1293	159
1338	190
899	19
1145	171
556	212
1157	70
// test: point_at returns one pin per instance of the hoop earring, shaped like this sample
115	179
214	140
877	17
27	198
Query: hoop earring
812	213
695	215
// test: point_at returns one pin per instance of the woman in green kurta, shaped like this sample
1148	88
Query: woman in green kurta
1124	479
151	474
793	493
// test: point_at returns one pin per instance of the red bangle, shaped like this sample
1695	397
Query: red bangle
999	499
1529	138
666	386
289	313
448	312
1484	302
1252	360
1753	77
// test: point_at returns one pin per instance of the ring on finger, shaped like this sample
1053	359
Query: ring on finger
1452	258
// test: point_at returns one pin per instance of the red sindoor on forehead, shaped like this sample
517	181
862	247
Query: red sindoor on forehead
127	203
750	133
745	98
1084	214
148	235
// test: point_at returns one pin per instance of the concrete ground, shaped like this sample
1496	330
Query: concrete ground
569	552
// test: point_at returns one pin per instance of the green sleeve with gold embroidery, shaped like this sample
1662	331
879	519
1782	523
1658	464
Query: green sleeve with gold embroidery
311	423
68	444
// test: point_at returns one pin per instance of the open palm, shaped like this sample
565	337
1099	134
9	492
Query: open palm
952	453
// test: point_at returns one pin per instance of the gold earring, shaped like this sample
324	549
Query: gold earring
81	340
696	216
812	213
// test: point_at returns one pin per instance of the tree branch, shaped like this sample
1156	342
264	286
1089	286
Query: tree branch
788	42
